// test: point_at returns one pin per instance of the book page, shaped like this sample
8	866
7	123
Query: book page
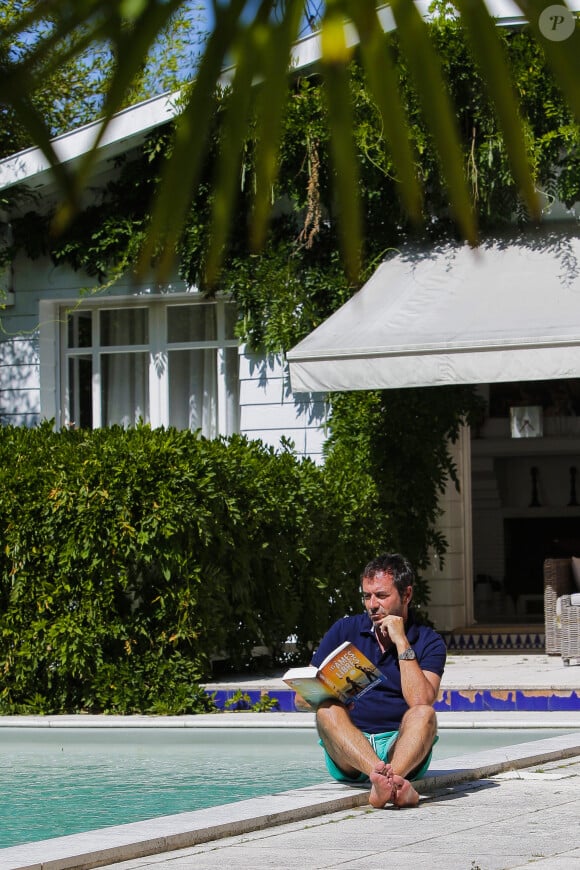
312	689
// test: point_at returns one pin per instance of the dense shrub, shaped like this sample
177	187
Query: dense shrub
130	557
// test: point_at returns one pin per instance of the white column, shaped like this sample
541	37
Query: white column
451	578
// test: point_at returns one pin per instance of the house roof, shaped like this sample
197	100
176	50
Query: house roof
507	311
127	129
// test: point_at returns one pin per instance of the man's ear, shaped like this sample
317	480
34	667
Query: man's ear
409	594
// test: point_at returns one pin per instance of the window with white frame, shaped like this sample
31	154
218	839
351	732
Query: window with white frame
163	361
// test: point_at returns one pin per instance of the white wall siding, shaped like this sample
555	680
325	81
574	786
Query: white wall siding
23	326
269	411
19	381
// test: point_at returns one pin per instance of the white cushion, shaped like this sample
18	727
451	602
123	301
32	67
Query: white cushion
574	600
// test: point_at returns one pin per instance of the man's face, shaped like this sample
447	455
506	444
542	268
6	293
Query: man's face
381	598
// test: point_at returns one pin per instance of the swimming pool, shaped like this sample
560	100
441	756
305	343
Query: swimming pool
64	781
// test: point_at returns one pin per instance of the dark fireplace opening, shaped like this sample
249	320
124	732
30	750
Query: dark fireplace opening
528	542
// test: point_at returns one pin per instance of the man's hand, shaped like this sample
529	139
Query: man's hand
302	704
393	627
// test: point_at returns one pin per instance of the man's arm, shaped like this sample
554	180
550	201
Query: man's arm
419	687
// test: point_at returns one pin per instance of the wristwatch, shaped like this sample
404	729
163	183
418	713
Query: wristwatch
408	655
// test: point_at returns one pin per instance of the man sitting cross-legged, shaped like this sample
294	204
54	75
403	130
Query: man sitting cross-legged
387	734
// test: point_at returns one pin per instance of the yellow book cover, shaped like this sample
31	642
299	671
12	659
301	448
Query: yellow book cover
345	674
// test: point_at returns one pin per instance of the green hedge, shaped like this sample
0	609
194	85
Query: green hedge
130	557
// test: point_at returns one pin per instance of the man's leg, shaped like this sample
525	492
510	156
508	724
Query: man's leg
416	736
352	752
345	743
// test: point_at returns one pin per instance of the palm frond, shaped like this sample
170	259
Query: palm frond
563	56
382	79
179	179
334	63
489	54
262	48
270	103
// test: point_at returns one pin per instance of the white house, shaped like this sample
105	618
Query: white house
506	318
163	354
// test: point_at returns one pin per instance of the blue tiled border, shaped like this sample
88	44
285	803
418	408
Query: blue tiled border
450	700
284	699
477	701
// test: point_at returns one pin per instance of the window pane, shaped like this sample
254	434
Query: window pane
80	377
193	391
121	326
80	329
192	388
125	388
231	315
191	323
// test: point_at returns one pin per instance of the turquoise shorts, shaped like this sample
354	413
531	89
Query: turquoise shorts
381	743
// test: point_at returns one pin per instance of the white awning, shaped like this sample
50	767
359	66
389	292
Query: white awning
508	311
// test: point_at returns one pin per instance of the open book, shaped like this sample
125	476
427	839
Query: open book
344	674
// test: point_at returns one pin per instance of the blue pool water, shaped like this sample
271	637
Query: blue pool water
64	781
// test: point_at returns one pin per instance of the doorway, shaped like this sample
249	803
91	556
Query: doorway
524	502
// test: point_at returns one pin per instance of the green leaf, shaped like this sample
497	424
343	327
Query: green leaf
132	9
382	79
132	46
563	56
232	141
39	131
180	176
75	26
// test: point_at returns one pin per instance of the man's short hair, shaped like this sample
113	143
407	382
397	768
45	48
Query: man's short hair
397	566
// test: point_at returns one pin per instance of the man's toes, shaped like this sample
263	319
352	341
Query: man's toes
404	795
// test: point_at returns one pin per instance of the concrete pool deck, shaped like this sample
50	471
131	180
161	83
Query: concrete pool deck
491	810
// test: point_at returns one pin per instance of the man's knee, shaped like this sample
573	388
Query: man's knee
423	718
329	715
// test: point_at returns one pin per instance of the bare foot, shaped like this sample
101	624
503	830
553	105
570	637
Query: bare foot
387	786
404	795
382	786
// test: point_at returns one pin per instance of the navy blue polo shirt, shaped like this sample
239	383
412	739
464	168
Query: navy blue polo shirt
383	707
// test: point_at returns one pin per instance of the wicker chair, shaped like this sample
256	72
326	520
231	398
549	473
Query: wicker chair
558	581
562	619
569	629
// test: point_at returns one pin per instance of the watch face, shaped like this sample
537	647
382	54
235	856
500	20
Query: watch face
408	655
